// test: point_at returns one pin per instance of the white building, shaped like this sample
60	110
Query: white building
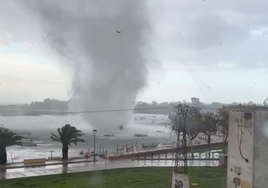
248	147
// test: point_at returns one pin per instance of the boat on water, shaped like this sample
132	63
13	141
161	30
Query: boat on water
23	133
27	143
141	135
167	145
153	145
30	137
108	135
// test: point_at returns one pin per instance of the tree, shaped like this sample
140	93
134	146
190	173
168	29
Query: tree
178	124
195	101
209	126
175	122
223	118
193	124
67	135
265	102
7	138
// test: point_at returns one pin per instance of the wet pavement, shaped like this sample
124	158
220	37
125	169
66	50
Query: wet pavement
90	166
47	163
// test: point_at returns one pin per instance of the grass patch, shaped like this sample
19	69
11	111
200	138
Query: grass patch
150	177
205	149
208	177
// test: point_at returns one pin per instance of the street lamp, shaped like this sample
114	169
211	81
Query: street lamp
94	134
51	155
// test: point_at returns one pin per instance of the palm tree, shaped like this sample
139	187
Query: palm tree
67	135
7	138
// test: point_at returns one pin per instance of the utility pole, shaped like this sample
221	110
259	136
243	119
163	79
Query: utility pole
180	174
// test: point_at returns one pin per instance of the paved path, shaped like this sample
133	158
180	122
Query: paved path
82	167
48	163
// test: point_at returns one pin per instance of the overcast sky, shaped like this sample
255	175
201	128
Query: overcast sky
212	49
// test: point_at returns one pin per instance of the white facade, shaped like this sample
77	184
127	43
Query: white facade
247	165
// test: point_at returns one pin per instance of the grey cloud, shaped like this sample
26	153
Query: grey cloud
109	67
212	32
17	25
188	31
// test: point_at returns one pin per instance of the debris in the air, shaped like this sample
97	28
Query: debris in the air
118	31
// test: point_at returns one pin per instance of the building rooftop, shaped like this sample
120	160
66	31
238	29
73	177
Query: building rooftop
248	108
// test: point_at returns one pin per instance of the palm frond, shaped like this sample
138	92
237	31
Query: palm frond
68	135
8	137
55	138
60	133
76	140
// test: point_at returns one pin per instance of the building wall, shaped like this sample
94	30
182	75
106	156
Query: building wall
235	159
260	169
180	180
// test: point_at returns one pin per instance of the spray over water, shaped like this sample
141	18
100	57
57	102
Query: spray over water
101	41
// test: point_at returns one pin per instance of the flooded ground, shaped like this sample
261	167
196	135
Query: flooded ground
42	126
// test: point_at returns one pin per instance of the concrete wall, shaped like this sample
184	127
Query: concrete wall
180	180
260	175
235	160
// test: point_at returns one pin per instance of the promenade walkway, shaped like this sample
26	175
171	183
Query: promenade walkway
20	172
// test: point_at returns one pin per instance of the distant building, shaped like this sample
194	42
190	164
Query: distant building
247	164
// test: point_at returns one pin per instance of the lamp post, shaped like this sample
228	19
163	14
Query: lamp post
94	134
11	157
51	155
106	155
